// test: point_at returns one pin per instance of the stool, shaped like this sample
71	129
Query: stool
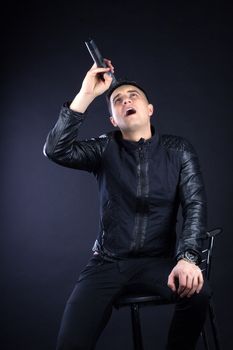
135	301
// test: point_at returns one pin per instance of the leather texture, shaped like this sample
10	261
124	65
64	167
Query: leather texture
141	186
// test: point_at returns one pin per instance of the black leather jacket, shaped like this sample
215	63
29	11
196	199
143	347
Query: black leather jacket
141	186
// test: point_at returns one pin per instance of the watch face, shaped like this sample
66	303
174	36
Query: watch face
190	256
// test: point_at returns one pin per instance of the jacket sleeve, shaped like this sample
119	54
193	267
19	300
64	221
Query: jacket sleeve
193	202
62	146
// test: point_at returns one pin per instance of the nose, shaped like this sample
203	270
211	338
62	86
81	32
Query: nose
126	100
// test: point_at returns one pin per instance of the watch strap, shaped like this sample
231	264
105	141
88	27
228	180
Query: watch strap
188	256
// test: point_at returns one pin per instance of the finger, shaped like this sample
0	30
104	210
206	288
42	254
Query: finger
171	282
109	64
107	79
187	287
185	292
194	287
182	283
200	283
98	70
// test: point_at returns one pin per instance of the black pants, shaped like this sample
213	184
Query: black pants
90	305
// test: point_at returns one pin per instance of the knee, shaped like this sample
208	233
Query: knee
202	298
198	301
206	292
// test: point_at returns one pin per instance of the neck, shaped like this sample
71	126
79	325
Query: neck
136	135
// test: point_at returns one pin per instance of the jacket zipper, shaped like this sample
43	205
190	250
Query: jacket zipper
141	217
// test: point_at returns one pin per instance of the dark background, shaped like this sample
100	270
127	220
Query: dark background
182	53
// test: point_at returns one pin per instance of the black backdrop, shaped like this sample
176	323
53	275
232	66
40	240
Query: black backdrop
182	53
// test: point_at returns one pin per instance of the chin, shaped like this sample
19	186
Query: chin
131	128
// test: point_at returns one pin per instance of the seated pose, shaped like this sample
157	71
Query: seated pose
143	178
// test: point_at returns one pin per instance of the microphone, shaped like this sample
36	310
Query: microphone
98	58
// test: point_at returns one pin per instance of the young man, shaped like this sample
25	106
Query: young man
143	177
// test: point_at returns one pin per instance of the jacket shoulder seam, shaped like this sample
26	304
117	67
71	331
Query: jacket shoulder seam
177	143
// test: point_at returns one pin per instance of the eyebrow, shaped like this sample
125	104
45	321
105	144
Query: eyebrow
121	94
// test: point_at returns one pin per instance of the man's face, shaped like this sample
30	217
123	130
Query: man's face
130	108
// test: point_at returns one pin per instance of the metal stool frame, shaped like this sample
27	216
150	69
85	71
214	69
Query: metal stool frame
136	301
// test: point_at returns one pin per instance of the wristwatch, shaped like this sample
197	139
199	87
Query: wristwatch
188	256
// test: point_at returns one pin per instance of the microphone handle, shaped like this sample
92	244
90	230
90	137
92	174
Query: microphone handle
97	57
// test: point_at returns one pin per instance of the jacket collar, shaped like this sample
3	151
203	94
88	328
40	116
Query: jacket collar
153	140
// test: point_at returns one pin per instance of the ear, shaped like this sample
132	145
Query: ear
113	121
150	109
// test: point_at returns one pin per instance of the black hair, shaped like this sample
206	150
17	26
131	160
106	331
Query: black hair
120	83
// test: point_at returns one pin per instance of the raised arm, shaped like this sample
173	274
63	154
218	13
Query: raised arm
61	144
93	85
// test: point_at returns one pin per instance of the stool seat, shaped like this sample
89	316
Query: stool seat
127	299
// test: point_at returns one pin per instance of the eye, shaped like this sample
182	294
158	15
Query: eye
117	100
133	94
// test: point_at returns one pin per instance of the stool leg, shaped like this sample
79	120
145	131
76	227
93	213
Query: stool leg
214	326
136	327
205	340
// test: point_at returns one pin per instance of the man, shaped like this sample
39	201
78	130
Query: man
143	177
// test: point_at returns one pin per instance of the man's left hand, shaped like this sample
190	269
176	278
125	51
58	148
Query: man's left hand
188	276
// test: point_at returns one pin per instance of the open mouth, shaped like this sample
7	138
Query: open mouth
130	111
